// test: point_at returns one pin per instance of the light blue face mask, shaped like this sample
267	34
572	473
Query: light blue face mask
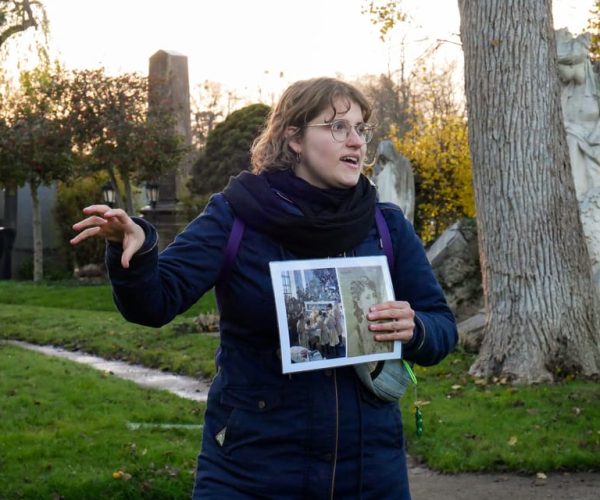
389	383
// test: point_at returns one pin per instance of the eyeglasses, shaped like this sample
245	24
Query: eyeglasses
340	130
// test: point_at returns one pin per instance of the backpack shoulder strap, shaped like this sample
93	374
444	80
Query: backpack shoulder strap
233	245
231	250
384	236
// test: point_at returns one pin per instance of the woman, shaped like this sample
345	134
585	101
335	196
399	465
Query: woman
364	295
317	434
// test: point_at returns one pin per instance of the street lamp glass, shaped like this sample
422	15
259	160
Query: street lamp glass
108	193
152	193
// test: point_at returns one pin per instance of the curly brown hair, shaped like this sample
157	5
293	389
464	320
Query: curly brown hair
357	288
300	103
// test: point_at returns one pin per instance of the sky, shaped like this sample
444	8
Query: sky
258	47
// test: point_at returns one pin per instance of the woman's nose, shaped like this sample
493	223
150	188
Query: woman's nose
354	139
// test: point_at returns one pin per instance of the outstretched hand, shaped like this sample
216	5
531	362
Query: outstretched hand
396	321
112	225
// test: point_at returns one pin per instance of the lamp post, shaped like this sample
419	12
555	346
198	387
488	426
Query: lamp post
109	193
152	195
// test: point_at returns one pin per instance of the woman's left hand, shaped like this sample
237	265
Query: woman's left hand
395	321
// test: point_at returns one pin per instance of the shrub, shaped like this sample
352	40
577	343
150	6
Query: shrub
227	150
71	199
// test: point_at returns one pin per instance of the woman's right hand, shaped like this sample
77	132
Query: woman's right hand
112	224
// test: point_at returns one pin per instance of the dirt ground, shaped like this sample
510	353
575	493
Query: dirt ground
428	485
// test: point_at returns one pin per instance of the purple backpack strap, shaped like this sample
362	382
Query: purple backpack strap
384	235
231	250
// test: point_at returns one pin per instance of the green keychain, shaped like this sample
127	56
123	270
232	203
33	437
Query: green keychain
418	412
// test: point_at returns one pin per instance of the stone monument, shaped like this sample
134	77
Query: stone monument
169	89
394	178
581	110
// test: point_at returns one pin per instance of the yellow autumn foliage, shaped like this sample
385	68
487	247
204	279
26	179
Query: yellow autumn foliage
437	146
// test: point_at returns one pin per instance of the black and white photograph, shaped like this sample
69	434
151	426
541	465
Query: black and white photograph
321	311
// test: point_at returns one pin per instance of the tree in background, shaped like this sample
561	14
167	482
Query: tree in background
207	111
391	105
113	132
17	16
437	146
227	150
35	145
541	309
593	26
385	14
70	198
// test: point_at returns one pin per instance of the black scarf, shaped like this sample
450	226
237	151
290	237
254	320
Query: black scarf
332	221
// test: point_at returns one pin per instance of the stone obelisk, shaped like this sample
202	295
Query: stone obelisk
169	89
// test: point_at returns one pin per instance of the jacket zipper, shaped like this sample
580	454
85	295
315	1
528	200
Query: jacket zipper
337	431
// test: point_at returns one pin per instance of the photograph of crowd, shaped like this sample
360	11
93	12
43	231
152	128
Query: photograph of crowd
322	311
314	314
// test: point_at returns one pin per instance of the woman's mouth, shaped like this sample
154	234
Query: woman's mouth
351	160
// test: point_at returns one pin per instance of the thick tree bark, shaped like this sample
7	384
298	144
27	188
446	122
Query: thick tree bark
541	308
38	245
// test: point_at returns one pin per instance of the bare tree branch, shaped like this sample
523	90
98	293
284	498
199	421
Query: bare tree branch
22	17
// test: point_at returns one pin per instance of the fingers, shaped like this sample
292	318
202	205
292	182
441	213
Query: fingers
395	321
390	309
131	244
90	221
128	250
90	231
125	258
119	215
96	209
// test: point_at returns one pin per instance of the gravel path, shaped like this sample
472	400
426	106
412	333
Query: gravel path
185	387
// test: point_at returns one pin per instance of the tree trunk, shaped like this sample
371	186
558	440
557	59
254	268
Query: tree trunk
118	198
541	308
38	245
128	196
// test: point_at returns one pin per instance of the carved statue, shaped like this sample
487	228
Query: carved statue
394	178
589	212
581	111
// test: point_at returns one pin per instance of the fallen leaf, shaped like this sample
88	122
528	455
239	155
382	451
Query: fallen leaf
577	411
541	475
512	441
456	387
117	474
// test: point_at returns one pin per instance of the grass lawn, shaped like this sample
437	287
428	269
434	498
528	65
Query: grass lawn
473	426
84	318
65	433
469	425
71	295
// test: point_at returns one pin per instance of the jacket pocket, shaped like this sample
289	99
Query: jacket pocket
257	421
257	400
